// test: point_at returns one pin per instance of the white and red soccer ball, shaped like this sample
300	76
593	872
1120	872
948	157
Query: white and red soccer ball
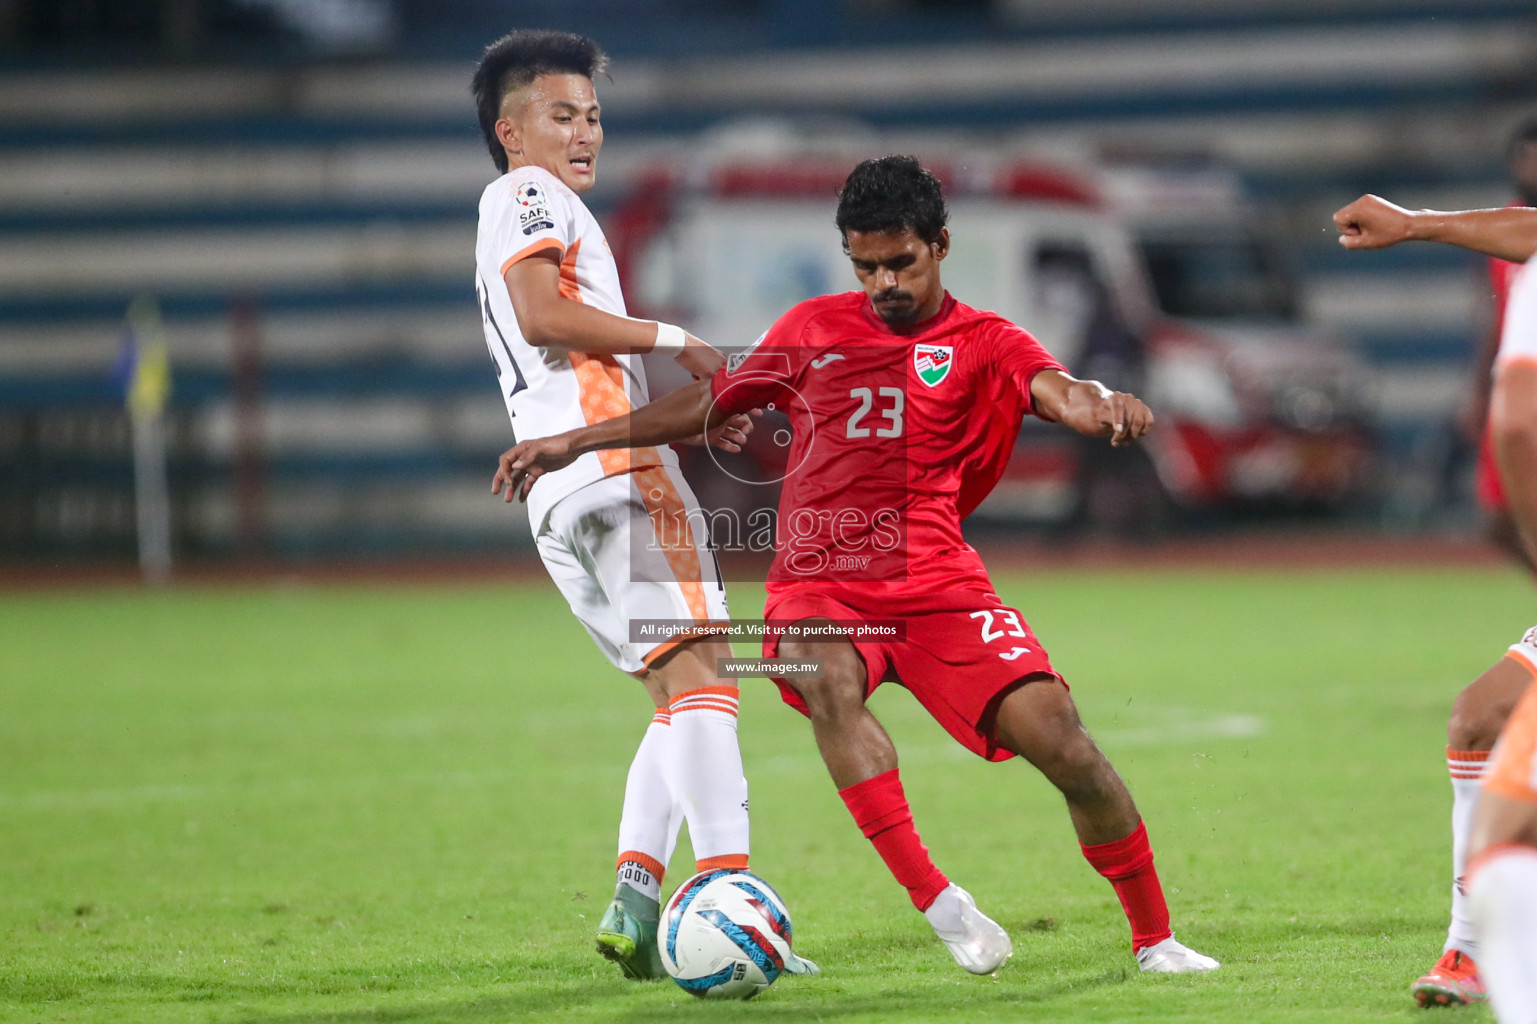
725	935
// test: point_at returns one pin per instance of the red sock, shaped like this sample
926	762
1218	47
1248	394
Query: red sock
1128	864
880	810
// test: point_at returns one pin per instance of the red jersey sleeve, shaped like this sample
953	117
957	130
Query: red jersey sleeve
1016	357
765	372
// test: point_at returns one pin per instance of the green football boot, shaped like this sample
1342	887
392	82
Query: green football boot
627	934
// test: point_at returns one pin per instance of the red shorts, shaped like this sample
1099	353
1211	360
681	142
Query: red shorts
958	663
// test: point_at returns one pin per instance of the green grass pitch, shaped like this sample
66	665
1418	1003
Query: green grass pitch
397	804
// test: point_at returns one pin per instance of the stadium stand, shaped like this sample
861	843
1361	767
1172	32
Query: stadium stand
307	200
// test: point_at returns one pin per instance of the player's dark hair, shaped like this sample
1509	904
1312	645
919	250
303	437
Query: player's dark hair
889	195
518	58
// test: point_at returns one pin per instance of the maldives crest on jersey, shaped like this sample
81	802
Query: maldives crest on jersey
933	362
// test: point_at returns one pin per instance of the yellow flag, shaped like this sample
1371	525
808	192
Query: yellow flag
151	381
150	385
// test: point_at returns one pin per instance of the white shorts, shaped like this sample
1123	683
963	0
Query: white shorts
632	557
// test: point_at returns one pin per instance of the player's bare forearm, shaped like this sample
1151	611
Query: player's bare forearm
1372	222
676	416
1513	421
1508	234
1090	408
550	320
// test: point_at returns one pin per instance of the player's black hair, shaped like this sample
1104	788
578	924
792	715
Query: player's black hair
892	194
518	58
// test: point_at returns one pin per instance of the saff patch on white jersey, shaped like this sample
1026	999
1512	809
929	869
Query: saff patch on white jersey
535	220
530	194
535	215
933	362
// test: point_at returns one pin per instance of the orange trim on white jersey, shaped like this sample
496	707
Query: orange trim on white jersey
549	398
569	288
683	637
675	534
543	245
600	384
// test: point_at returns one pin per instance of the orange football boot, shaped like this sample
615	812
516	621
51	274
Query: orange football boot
1453	981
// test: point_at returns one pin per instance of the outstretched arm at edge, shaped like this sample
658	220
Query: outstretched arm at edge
676	416
1089	407
1371	222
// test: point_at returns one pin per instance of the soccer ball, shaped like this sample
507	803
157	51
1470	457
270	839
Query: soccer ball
724	935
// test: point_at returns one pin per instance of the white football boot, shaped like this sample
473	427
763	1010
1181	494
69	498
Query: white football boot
1171	957
976	941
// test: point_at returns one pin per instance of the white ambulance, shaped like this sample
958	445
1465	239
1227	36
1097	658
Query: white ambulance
1155	281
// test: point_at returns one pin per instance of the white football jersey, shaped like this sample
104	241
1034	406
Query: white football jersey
549	391
1518	337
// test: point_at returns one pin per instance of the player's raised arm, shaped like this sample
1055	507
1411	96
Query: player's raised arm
678	416
1090	408
1371	222
551	320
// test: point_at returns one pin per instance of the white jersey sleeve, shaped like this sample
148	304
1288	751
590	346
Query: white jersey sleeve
529	212
1518	337
537	218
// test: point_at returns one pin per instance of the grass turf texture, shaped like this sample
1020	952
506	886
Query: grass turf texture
398	805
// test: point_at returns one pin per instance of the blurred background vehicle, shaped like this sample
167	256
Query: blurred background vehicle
292	185
1156	280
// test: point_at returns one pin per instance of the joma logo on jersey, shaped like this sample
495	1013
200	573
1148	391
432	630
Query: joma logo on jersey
933	362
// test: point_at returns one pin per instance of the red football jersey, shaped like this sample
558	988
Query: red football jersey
1487	481
1501	273
897	435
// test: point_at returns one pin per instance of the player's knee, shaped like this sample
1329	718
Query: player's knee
1077	766
1469	728
829	698
1481	710
840	686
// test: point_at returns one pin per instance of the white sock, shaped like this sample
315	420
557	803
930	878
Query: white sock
1467	771
706	766
648	826
1503	898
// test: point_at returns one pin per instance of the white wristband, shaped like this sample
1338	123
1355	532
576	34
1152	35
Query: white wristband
669	338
